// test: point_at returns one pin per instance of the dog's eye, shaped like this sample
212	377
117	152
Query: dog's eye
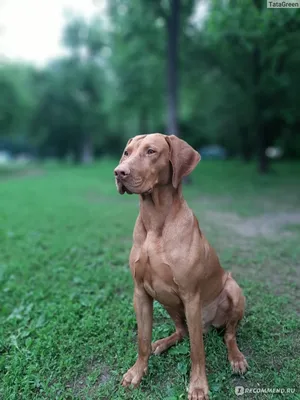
150	151
125	153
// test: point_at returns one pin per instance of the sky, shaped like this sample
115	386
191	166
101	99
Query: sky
30	30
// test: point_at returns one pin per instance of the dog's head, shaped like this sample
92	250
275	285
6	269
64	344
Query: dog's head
152	160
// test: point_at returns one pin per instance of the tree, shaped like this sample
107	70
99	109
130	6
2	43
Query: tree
141	26
85	42
250	48
16	100
231	80
175	14
135	64
173	25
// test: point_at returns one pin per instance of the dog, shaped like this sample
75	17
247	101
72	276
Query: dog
172	262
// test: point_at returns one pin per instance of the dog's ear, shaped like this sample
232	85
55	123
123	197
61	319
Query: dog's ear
183	158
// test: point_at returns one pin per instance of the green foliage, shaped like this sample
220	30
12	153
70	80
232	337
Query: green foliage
226	44
238	80
16	101
138	64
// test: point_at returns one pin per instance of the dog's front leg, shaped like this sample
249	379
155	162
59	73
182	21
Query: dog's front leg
143	305
198	388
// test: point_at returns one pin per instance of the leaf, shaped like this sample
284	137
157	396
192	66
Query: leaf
41	321
215	388
180	350
182	368
14	342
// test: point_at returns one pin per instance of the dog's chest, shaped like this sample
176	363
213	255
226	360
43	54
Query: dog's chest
153	271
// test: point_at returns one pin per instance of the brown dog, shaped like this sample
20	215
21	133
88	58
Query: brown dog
172	262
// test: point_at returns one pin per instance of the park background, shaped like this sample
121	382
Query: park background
222	75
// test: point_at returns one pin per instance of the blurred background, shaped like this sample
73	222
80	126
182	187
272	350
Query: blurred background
78	78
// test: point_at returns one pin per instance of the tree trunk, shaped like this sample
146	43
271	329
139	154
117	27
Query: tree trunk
172	72
172	67
246	148
263	161
87	150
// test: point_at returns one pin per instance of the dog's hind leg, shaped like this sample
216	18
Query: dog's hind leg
181	330
230	311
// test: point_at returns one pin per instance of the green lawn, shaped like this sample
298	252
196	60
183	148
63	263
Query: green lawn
67	325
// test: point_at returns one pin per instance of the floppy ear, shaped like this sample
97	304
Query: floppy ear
183	158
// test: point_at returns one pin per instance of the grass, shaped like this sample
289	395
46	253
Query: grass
67	325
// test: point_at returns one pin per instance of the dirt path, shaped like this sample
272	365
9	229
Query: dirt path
266	225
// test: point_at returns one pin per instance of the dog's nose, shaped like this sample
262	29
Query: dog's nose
122	172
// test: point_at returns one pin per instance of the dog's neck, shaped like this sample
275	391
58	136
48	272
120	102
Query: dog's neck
162	203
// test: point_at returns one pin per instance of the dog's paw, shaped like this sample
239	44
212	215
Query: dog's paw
239	364
198	394
134	376
159	346
198	391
